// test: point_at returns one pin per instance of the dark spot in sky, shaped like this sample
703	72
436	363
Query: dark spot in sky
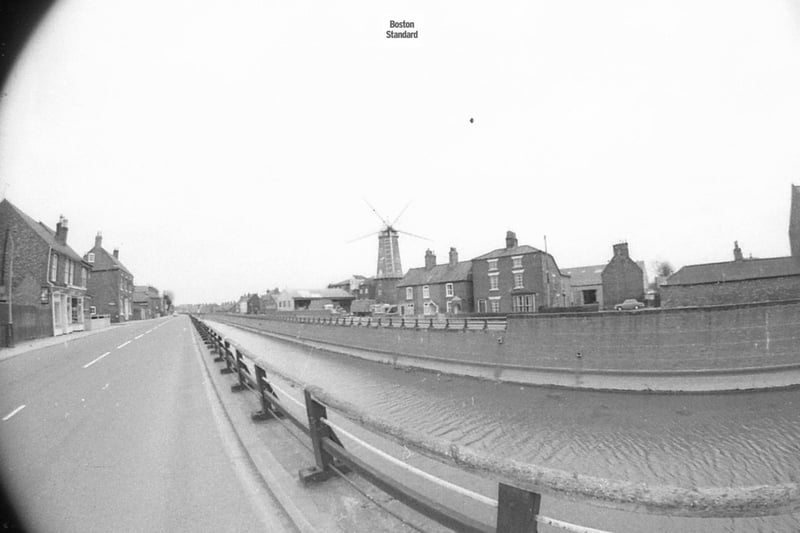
471	120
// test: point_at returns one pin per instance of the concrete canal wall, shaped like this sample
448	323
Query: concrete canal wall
750	346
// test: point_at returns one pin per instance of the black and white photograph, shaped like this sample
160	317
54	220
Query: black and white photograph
516	266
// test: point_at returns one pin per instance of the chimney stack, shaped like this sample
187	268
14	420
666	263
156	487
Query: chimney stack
794	222
61	230
116	253
98	240
737	252
511	240
430	259
453	257
621	250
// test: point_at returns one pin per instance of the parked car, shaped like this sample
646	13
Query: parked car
629	304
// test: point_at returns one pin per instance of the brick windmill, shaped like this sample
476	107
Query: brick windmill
390	269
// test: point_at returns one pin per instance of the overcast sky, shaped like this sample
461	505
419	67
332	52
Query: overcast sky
227	146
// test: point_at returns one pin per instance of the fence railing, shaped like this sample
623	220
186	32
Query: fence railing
520	485
401	322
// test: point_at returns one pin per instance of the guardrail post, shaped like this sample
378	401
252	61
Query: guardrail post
227	358
318	431
240	373
220	350
268	409
517	510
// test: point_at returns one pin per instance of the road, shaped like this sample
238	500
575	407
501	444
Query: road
121	431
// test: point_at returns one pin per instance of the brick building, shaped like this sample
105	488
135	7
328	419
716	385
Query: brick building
435	289
741	280
147	302
586	283
313	300
733	282
43	282
518	279
111	284
622	278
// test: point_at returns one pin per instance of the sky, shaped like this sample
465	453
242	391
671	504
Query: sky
232	147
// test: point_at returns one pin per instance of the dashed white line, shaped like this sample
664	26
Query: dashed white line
137	337
90	363
105	387
12	413
124	344
148	331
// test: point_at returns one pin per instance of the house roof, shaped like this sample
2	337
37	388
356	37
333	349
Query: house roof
312	294
462	271
592	275
504	252
736	271
47	234
585	275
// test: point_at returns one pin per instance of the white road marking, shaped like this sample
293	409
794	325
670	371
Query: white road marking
148	331
12	413
87	365
124	344
105	387
137	337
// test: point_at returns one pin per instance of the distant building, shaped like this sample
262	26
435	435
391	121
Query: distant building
435	289
254	304
313	300
43	281
111	284
741	280
622	278
518	279
733	282
147	302
351	285
268	302
586	283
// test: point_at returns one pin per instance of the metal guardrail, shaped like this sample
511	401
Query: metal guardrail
520	485
401	322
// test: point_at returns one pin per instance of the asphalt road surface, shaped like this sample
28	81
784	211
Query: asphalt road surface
121	431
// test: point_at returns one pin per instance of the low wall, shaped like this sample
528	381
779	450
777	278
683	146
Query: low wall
95	323
749	346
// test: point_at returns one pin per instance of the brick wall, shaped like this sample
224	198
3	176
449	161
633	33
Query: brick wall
731	292
714	339
104	290
536	267
438	294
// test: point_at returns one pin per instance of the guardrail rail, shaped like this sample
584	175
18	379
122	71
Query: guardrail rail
520	485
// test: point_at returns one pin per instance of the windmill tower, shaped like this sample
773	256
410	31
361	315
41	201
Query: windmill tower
389	269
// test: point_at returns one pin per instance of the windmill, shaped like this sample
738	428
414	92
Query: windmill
389	266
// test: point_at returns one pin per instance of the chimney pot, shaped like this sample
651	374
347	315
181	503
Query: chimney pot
61	230
98	239
430	259
737	252
621	249
511	239
116	253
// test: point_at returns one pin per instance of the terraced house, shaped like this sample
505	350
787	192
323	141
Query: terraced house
111	284
43	282
437	289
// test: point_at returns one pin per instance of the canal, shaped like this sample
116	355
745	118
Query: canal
688	440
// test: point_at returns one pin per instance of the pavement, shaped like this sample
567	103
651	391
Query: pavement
35	344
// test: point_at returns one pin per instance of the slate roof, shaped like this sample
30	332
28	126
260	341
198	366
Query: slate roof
47	234
585	275
504	252
462	271
736	271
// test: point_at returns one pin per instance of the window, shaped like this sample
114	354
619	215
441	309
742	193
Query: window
67	267
589	296
90	257
481	306
518	283
492	264
517	261
495	306
448	290
449	307
54	267
426	291
494	284
409	293
409	309
523	303
84	276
